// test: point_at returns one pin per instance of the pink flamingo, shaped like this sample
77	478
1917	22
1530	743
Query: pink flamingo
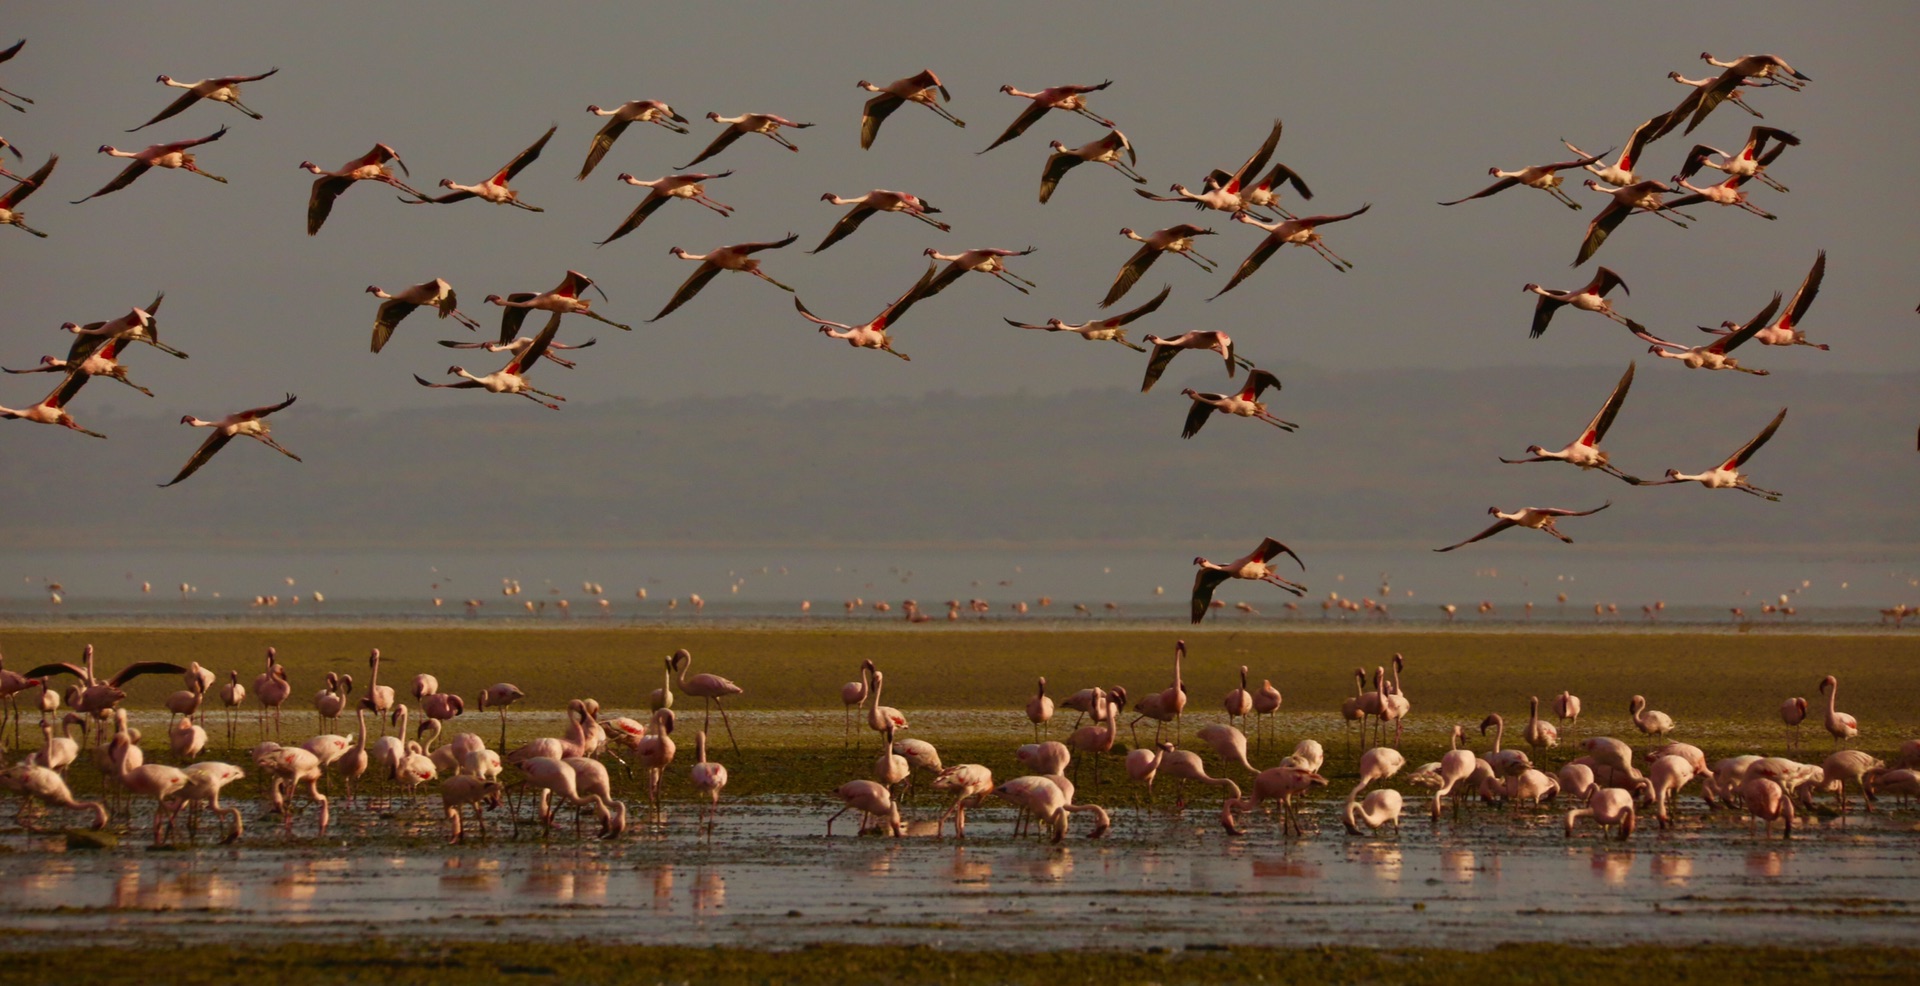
493	189
1205	340
170	155
37	783
1608	807
1786	331
969	783
1254	566
877	201
10	214
500	695
873	334
1639	196
251	423
1456	765
744	124
1535	518
459	792
52	409
738	257
1767	800
1591	298
1164	706
1101	329
1245	403
874	803
101	362
1039	709
710	687
1174	239
1541	176
1281	784
853	695
633	111
1108	150
1840	725
690	186
919	88
709	778
436	294
564	299
1585	450
1792	712
1070	98
1303	231
157	781
1095	738
655	751
371	166
1239	701
1728	475
221	89
204	782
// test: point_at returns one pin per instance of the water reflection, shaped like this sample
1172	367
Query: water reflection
472	875
1612	867
709	890
566	881
1286	869
1673	871
1765	862
1053	867
1459	864
965	869
1383	862
662	887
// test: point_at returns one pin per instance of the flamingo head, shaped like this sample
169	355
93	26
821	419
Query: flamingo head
1117	694
1653	349
373	659
676	251
446	183
1828	682
453	369
1197	560
1489	722
1494	170
310	166
373	289
1007	88
1590	183
827	197
1675	76
106	149
186	419
69	326
864	84
1534	450
666	719
1189	392
164	79
713	115
1126	231
493	298
1706	56
1056	145
1673	474
48	360
594	108
1493	510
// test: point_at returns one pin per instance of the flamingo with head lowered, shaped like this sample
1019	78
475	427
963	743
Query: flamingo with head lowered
251	423
1254	566
1585	450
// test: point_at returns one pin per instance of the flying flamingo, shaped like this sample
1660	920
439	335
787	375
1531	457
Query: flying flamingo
1621	171
436	294
1246	404
710	687
250	423
1728	475
564	298
1039	709
709	778
371	166
1541	176
1725	193
1302	231
919	88
137	325
737	257
1713	356
1786	331
986	260
1840	725
634	111
223	89
690	186
1752	160
10	214
1107	150
1609	807
748	123
874	803
1102	329
493	189
7	56
52	409
1223	191
512	378
1730	94
1164	350
1771	70
877	201
1254	566
1640	196
499	696
1537	518
1585	451
101	362
873	334
170	155
1067	98
1174	239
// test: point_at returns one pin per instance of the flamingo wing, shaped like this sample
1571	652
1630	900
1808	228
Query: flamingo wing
1605	280
1135	266
1258	381
1259	256
18	193
845	227
1697	158
894	312
1281	173
1498	186
1205	582
138	668
1497	527
654	200
175	108
1147	309
1803	298
525	361
1564	512
875	113
1197	415
326	188
1058	164
390	313
512	317
1253	164
526	157
58	667
1027	118
255	413
1746	451
707	272
767	245
1600	228
1270	549
602	143
720	143
134	169
1157	361
1727	343
1597	428
214	443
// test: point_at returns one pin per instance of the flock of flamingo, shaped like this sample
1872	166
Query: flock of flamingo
1250	194
1608	782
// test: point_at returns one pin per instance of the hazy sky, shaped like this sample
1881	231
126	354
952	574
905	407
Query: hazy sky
1397	106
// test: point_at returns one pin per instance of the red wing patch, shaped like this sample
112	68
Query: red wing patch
1590	439
499	179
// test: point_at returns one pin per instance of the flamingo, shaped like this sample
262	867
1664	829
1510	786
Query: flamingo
1585	450
1455	765
1608	807
512	378
1621	171
690	186
1185	765
157	781
853	695
873	801
1239	701
1143	764
876	201
1206	340
459	792
1361	705
1102	329
35	782
655	751
1266	703
1043	797
1640	196
919	88
1302	231
986	260
1537	518
205	781
371	166
1377	764
710	687
272	689
1253	566
559	777
1050	757
379	697
1039	709
736	257
96	694
186	739
592	780
52	409
7	56
56	753
1246	404
748	123
1713	356
222	89
969	783
1730	94
1165	706
232	694
873	334
169	155
1174	239
1786	331
1539	733
709	778
101	362
1704	99
1750	162
250	423
1093	738
1728	475
1503	763
436	294
500	695
1223	191
1108	150
881	718
1229	744
1393	702
1725	193
10	214
1840	725
890	768
564	299
1378	809
633	111
292	767
1545	177
1850	765
1591	298
1767	800
493	189
1069	98
1792	712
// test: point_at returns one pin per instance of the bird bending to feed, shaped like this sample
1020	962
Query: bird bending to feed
1786	331
437	294
1107	150
1545	177
10	214
225	89
632	111
1102	329
173	155
1728	475
1538	518
986	260
1641	196
1174	239
878	200
1246	403
920	88
371	166
871	335
736	257
1299	232
251	423
1620	172
52	410
747	123
1067	98
1713	356
1210	340
563	299
512	378
494	189
1254	566
690	186
1225	192
1585	451
1591	298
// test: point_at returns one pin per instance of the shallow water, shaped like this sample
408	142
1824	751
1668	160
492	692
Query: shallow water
769	877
